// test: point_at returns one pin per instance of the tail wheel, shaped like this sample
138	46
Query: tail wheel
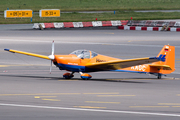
159	76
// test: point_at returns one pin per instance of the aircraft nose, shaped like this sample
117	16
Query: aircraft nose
59	58
51	57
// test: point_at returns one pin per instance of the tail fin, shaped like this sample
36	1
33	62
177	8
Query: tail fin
167	55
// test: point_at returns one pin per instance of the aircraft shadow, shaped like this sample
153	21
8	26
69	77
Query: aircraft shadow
30	76
121	80
125	80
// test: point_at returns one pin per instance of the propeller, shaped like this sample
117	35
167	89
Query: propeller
52	55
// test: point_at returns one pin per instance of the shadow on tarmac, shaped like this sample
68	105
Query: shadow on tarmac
121	80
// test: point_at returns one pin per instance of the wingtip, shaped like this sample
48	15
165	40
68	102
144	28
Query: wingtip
6	49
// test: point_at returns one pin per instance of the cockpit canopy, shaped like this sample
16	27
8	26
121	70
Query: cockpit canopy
84	54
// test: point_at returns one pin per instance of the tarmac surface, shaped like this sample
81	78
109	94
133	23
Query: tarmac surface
28	91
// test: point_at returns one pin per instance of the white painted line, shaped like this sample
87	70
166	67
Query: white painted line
92	110
88	43
93	43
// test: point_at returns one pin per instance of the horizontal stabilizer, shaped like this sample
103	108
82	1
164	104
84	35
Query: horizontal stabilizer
164	67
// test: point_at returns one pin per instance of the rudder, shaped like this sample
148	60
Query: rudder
167	56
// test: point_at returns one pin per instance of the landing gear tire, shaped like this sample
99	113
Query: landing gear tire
68	75
85	76
159	76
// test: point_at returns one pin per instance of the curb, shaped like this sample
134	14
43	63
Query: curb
147	28
80	24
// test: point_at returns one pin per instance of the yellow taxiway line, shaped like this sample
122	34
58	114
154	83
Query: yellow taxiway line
148	106
43	96
102	102
51	99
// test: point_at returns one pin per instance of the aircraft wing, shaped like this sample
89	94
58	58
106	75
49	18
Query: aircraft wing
119	64
27	53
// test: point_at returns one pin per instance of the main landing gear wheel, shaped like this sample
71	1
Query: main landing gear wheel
159	76
68	75
85	76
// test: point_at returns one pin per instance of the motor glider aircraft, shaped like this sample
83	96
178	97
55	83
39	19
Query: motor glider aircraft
85	61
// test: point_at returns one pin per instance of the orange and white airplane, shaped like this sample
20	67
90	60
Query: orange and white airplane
85	61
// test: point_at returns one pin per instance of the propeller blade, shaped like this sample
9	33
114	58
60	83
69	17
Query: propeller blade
52	52
51	67
52	48
52	55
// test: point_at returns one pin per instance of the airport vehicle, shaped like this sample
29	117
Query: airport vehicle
85	61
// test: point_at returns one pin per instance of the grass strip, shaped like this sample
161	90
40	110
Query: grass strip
89	5
84	17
